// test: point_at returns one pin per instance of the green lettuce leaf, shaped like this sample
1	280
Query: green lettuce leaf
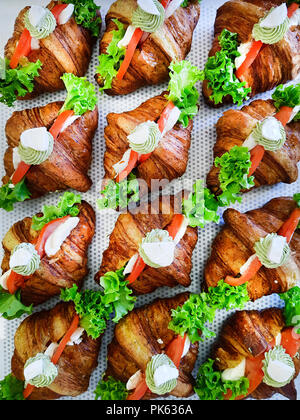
287	96
297	199
66	206
95	307
86	15
91	309
119	194
117	294
192	316
111	390
9	196
11	306
220	71
234	169
201	207
109	63
18	82
81	94
187	2
11	389
182	90
210	386
292	307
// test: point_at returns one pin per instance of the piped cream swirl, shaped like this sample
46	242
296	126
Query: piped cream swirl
147	21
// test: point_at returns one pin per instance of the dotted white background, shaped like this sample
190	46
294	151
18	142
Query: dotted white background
201	158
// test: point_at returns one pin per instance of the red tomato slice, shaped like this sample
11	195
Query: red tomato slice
47	230
56	11
175	349
289	227
136	37
284	115
250	58
22	50
257	154
290	341
162	122
14	282
249	274
139	391
292	9
20	172
138	268
59	122
175	225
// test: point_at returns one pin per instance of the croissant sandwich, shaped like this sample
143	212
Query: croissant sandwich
141	40
151	246
262	140
146	359
46	43
50	147
260	248
54	355
256	356
256	48
46	253
150	145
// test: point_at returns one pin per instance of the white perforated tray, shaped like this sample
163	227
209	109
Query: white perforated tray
201	156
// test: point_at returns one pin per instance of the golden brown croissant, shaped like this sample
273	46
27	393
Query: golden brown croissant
170	158
234	245
275	64
234	127
77	362
127	236
67	267
70	160
67	50
137	338
151	60
249	334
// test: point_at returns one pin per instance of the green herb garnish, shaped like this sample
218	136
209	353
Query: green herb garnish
182	90
201	207
116	294
220	71
211	387
86	15
95	307
119	194
234	170
66	206
11	306
109	63
11	389
10	195
192	316
111	390
292	307
187	2
287	96
81	94
18	82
